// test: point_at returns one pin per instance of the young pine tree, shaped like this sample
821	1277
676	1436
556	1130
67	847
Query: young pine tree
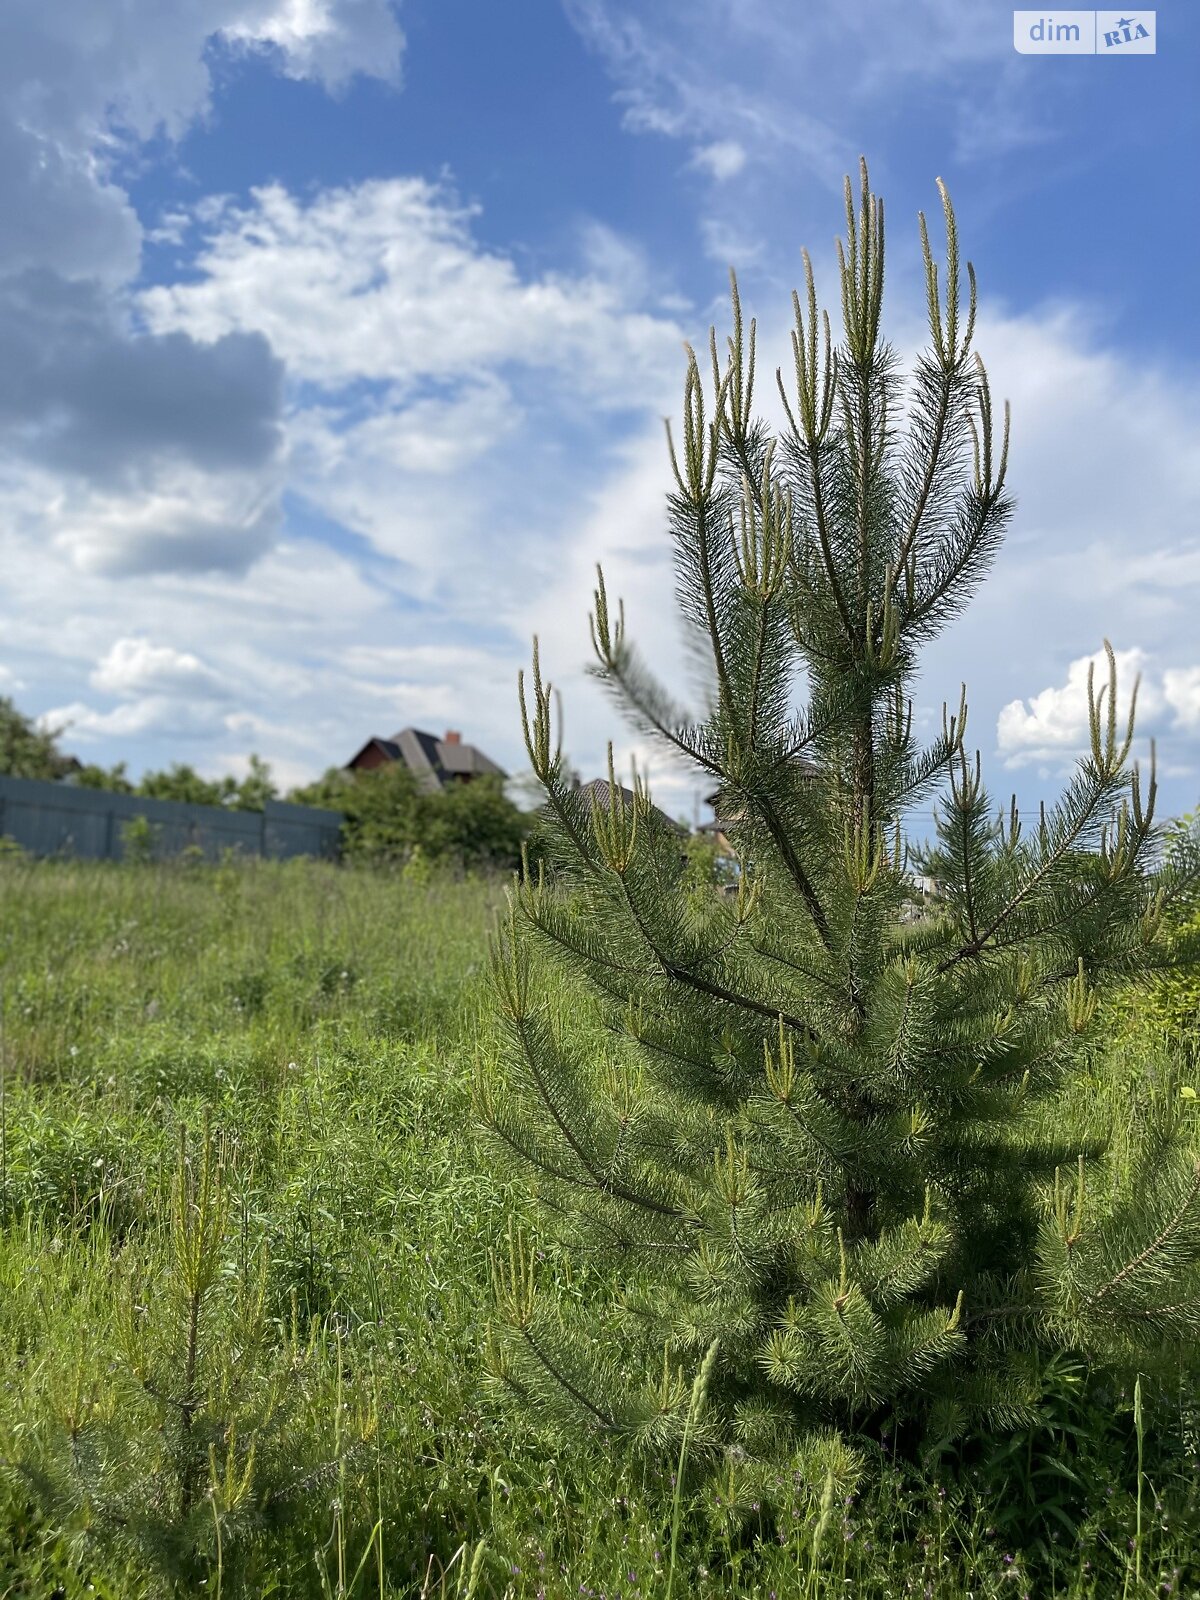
852	1159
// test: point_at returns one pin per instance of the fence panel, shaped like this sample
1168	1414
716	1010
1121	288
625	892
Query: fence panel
48	819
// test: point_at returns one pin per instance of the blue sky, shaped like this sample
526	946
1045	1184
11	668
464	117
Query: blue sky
337	335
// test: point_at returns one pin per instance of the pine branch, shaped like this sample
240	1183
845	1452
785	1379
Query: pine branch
602	1417
693	980
600	1181
1153	1248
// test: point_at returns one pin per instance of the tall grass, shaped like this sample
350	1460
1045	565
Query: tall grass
244	1283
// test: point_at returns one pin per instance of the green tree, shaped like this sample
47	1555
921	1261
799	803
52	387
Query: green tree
182	782
377	810
113	779
256	788
27	751
474	824
329	791
853	1162
387	816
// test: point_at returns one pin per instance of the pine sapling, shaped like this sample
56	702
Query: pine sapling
855	1155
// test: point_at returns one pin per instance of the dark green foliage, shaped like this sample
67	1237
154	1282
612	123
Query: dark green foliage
389	819
182	782
113	779
256	788
863	1161
27	751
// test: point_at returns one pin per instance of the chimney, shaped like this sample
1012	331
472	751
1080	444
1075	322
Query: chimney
452	736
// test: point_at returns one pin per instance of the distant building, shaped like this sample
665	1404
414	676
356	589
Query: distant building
435	763
598	792
932	888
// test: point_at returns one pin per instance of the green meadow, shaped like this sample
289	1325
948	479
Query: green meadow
245	1240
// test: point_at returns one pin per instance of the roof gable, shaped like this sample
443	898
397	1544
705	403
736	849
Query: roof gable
433	762
599	792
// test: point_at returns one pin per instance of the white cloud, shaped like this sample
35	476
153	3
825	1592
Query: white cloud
135	666
161	715
722	160
1181	687
272	643
164	450
78	81
726	241
433	437
326	39
458	462
74	70
755	79
179	521
1053	724
384	281
618	261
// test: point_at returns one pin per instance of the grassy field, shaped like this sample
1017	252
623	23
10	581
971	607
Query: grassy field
244	1285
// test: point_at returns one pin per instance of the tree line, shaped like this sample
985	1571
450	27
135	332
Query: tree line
387	818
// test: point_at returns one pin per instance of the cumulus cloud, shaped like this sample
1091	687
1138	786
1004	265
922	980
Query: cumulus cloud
164	445
161	692
183	522
73	68
248	667
427	356
1181	689
162	715
81	392
75	76
57	212
330	40
383	280
1053	724
138	667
